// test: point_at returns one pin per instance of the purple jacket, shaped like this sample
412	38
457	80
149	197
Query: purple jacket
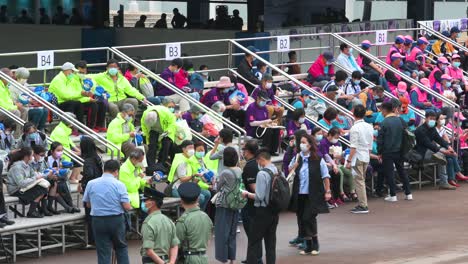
324	147
270	92
163	90
291	127
213	96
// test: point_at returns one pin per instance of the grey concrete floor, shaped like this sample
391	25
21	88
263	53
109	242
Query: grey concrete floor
430	229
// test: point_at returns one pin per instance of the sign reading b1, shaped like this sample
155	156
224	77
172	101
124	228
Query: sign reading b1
45	60
283	43
172	51
381	37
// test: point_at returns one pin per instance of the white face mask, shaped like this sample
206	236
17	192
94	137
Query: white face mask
139	165
334	141
22	81
442	122
41	159
190	152
304	147
269	85
302	120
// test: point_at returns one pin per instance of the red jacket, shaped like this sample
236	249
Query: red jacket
318	69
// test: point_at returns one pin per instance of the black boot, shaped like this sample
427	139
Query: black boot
315	246
50	205
33	213
44	210
62	202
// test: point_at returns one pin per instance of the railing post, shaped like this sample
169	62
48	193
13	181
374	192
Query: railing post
230	57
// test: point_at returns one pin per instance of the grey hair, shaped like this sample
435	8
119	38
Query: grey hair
217	106
167	101
22	73
136	154
127	108
195	109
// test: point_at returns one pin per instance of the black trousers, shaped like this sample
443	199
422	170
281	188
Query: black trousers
236	116
96	114
377	167
263	228
307	226
270	139
388	160
74	107
2	198
89	223
335	183
248	214
163	155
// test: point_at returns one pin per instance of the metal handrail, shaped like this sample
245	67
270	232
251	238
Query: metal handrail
61	114
176	90
302	85
55	51
440	36
195	133
402	75
21	122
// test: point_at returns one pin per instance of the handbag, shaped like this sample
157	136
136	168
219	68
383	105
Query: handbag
145	87
169	187
183	132
41	182
292	174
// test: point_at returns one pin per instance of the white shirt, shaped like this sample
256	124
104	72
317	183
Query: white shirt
361	137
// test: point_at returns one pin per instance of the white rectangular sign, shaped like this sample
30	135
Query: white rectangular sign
172	51
381	37
45	60
283	43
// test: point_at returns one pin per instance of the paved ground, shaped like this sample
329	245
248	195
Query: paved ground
430	229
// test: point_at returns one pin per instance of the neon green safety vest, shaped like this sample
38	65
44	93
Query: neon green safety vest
132	182
117	91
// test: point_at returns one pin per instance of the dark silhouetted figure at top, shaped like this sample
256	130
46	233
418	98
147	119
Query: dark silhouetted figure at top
179	20
24	18
60	18
76	18
3	14
43	17
141	23
236	21
162	22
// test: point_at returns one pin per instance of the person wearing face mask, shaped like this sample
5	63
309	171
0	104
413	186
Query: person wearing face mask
62	133
456	73
322	69
261	70
196	238
310	193
389	150
219	107
401	91
392	78
447	90
108	199
32	137
257	122
158	125
274	111
193	118
59	190
435	78
329	118
298	121
118	88
395	48
369	101
303	100
347	60
132	176
223	141
7	140
420	98
220	93
8	103
21	176
201	162
121	131
245	70
71	97
159	236
236	102
407	114
205	75
417	56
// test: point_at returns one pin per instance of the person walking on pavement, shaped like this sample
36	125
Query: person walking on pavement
194	227
361	138
108	199
160	242
389	149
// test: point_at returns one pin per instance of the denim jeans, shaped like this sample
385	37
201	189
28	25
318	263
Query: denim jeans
156	100
109	233
38	116
202	199
452	167
442	170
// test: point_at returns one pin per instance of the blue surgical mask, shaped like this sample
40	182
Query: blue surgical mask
143	207
357	82
443	67
308	101
456	64
431	123
376	97
199	116
448	84
351	50
113	71
459	35
32	136
318	137
376	132
325	69
171	109
401	63
337	96
200	154
261	103
226	90
71	76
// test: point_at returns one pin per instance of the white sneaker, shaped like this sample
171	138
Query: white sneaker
409	197
391	199
238	230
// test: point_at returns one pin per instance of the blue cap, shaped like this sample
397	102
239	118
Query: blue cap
446	33
253	49
454	29
306	92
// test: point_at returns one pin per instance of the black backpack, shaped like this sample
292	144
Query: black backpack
408	140
279	192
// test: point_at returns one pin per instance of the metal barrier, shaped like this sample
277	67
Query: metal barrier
86	130
21	122
402	75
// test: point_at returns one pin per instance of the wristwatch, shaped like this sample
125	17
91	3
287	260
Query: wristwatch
329	191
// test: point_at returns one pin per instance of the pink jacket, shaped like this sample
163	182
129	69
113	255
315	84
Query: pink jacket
392	50
181	79
456	73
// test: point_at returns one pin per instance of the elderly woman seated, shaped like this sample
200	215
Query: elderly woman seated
193	117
